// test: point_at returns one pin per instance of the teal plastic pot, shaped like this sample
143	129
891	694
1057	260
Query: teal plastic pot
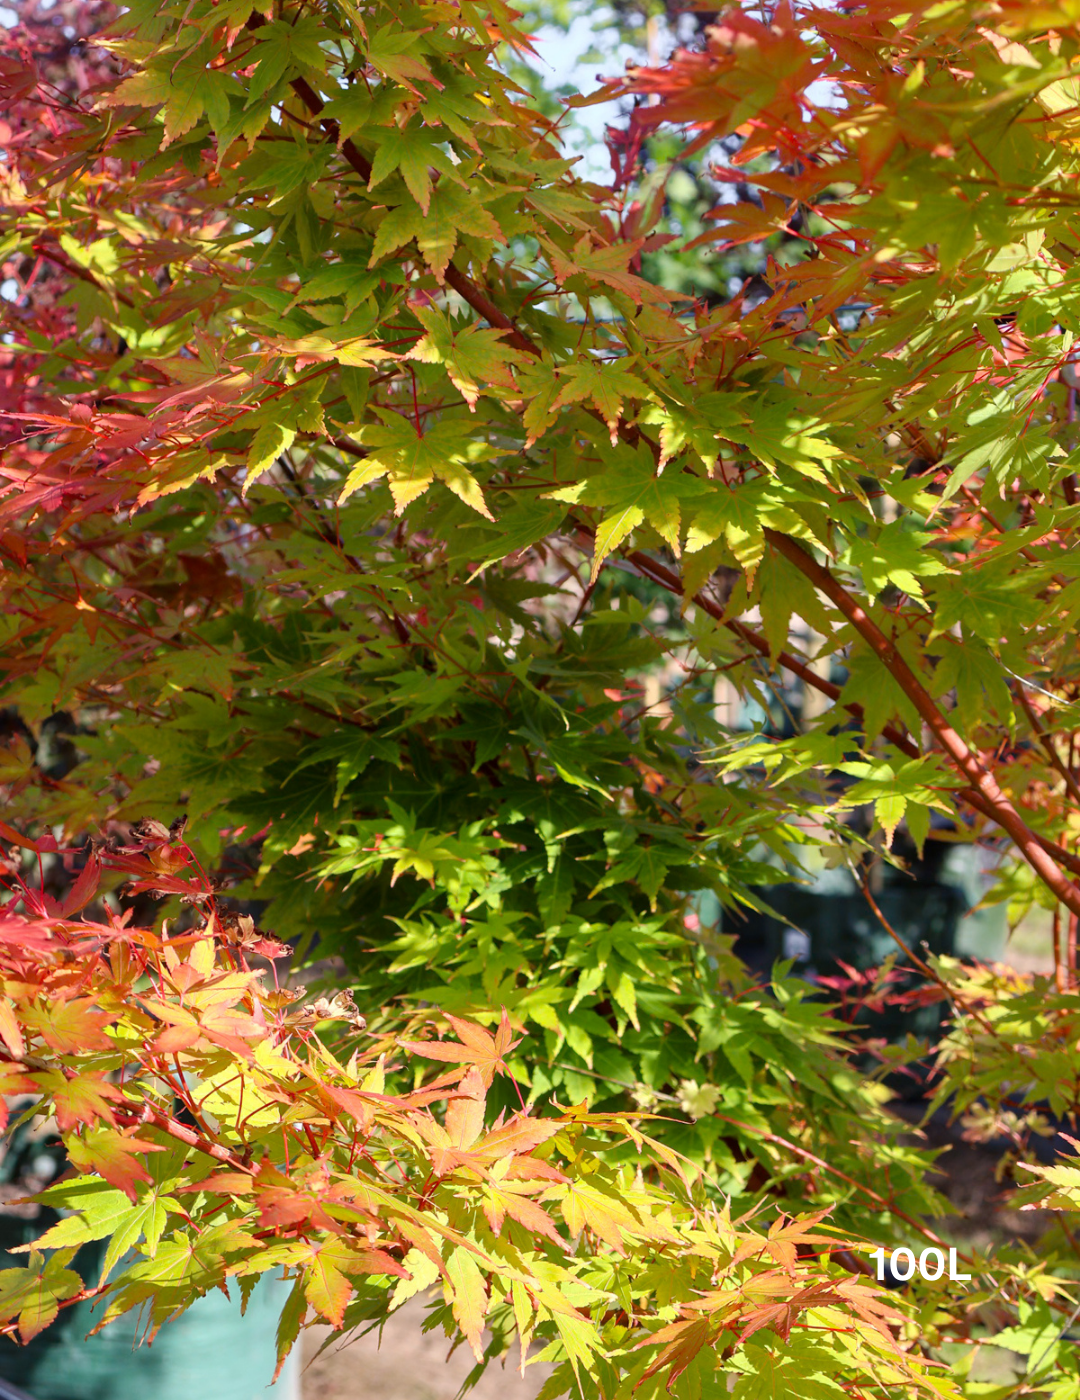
209	1352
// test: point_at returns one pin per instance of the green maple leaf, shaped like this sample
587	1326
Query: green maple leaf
98	1210
389	52
359	108
987	600
290	1321
146	1220
184	104
607	384
291	167
897	555
783	591
181	1269
540	382
740	513
453	212
34	1294
269	442
632	493
185	89
412	461
798	1369
103	1212
976	675
778	433
646	866
522	521
400	226
414	151
910	789
473	355
703	425
348	278
282	46
457	107
734	514
870	684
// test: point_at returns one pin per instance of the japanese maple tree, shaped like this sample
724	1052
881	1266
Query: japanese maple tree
348	452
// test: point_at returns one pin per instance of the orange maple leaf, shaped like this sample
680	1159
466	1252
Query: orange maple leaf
477	1047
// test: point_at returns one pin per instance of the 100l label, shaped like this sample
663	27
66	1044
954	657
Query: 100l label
930	1264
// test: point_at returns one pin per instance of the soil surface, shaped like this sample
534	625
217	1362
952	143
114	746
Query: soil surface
408	1365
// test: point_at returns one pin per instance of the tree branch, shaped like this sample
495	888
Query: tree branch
651	568
980	778
469	292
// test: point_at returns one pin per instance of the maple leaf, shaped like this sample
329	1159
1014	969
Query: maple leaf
413	461
284	1202
606	383
269	442
414	151
84	889
784	1239
605	265
82	1098
465	1110
503	1198
505	1148
34	1294
633	492
185	89
17	78
113	1154
12	1081
326	1269
326	1288
705	425
475	1047
867	1303
389	52
17	765
898	555
10	1030
473	356
682	1341
45	843
70	1027
453	212
19	932
519	1135
746	222
585	1205
468	1297
733	513
876	690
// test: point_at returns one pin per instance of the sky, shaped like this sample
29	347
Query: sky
562	60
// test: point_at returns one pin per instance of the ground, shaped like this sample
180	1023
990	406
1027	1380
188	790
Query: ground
408	1365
